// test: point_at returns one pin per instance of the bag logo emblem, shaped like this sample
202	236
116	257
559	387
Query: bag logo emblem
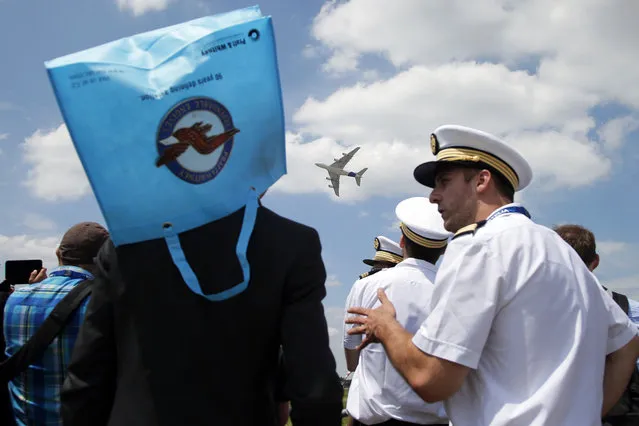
189	138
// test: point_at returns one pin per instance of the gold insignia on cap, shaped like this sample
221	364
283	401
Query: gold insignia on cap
376	244
434	144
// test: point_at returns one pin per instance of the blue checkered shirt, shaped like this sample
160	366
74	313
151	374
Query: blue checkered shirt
35	393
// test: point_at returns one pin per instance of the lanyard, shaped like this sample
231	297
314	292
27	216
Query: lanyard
509	209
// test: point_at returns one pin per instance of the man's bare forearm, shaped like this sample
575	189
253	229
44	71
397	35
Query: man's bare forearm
619	367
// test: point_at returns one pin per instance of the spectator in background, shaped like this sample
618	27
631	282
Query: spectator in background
387	254
583	241
35	394
626	411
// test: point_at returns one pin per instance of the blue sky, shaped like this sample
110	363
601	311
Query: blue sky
364	73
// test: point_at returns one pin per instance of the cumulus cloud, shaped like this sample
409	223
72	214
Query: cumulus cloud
522	70
614	132
17	247
55	170
608	248
38	222
140	7
628	285
332	281
389	168
3	136
590	45
392	119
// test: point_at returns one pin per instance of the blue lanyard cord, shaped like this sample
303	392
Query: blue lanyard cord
509	209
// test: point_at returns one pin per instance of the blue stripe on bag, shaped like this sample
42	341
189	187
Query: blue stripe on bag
248	223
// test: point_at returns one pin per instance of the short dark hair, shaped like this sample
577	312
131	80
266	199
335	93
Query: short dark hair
503	187
416	251
580	239
471	170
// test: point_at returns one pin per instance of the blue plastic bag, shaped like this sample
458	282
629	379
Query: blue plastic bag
178	127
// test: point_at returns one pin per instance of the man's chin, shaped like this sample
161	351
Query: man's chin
451	227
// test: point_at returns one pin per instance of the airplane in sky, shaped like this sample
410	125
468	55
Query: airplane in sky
336	170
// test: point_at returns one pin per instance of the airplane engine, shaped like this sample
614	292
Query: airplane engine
335	159
330	186
328	178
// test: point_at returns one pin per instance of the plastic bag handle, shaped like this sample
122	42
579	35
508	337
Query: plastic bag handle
179	259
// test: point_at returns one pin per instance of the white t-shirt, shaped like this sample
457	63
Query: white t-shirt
517	305
378	392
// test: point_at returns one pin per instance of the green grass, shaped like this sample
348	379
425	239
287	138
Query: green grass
344	421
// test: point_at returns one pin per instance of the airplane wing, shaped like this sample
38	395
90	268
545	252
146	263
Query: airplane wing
334	182
345	159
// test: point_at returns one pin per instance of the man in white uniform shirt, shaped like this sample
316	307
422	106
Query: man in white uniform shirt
378	395
520	332
388	254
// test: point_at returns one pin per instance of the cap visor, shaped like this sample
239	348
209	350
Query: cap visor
369	262
425	173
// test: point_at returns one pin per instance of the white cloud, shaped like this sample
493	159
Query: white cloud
461	62
332	281
37	222
614	132
564	36
560	158
55	169
20	247
342	61
310	51
607	248
392	119
3	136
388	169
410	105
140	7
626	285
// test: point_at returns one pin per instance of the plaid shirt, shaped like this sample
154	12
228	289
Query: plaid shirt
35	393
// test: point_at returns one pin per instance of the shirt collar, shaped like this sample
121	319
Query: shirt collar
416	263
504	207
71	271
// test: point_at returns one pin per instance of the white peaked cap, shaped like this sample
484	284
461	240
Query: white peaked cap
422	223
386	250
471	147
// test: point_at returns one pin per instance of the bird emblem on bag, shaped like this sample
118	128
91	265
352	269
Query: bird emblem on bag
196	137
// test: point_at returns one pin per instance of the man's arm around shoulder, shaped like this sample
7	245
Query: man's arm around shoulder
312	382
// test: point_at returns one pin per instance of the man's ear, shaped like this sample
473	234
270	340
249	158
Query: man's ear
593	265
483	178
401	241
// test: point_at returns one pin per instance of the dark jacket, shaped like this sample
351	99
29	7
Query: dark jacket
151	352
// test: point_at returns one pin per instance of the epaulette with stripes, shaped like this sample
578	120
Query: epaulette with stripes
369	273
470	229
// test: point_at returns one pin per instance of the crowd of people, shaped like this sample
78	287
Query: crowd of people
477	316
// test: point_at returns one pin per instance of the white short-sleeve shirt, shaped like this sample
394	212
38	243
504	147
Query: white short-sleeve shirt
378	392
517	305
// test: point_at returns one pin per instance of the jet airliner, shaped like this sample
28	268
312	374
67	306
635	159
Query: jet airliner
336	170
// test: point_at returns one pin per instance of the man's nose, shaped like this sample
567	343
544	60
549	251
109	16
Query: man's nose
434	197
